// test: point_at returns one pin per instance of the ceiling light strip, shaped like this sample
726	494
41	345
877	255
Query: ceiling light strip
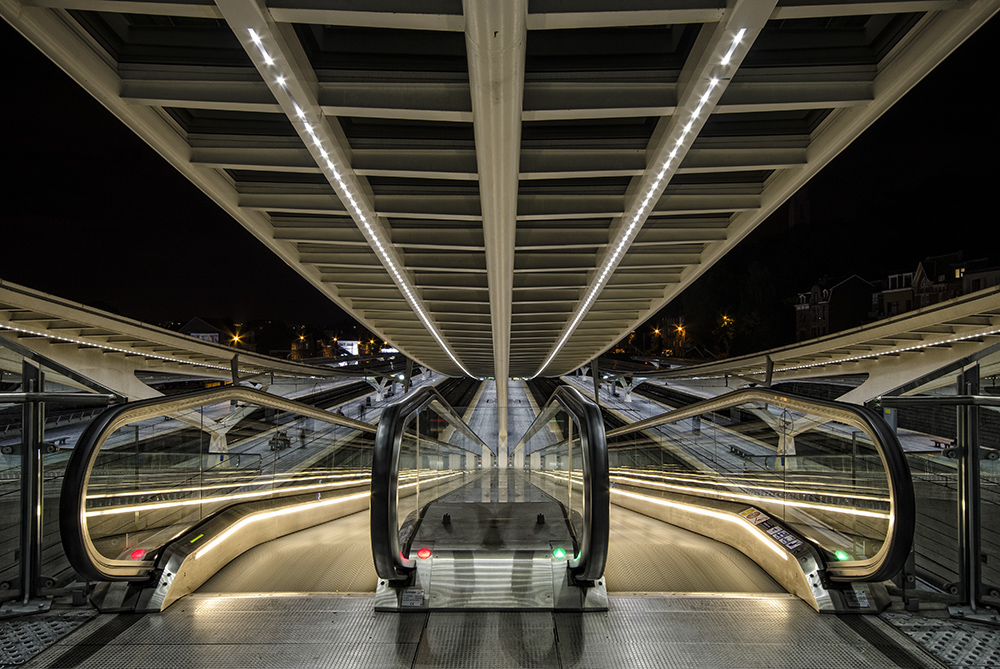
712	87
310	129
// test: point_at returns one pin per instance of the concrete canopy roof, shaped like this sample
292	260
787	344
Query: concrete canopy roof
498	188
913	352
87	340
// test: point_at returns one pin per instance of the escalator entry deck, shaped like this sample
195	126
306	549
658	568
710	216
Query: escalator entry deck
492	554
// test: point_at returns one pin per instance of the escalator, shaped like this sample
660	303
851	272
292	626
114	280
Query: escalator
456	535
714	497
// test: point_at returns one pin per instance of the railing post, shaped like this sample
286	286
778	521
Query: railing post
32	422
969	539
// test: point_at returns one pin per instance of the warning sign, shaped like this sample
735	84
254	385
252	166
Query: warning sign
754	516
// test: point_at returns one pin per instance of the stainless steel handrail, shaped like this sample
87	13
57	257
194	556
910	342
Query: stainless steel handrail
80	549
902	515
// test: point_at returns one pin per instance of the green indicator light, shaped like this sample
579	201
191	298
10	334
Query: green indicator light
197	537
843	555
559	553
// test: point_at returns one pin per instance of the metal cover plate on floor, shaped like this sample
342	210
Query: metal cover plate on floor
957	643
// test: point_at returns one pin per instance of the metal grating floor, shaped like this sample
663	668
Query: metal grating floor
638	631
23	638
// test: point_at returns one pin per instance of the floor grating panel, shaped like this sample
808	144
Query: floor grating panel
23	638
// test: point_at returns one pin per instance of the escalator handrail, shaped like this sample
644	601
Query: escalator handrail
589	564
902	518
80	550
390	563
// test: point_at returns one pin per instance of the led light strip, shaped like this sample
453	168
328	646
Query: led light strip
653	192
867	356
116	349
307	128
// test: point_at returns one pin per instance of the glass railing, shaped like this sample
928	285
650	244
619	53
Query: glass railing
47	568
829	473
144	473
564	454
952	451
424	450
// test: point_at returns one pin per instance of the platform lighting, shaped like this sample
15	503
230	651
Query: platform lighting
116	349
756	499
345	194
641	477
153	506
653	190
870	356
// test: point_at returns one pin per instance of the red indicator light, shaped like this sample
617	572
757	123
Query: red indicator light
138	554
424	553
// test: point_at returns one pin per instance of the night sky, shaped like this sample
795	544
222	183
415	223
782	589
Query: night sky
92	214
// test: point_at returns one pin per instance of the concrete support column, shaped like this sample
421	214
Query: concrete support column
536	461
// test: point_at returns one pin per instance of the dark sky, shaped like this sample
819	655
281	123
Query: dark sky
93	214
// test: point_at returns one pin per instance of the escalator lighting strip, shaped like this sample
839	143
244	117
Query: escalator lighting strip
196	538
729	518
267	515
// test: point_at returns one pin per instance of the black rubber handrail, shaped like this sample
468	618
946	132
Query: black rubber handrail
80	550
588	565
902	507
390	563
